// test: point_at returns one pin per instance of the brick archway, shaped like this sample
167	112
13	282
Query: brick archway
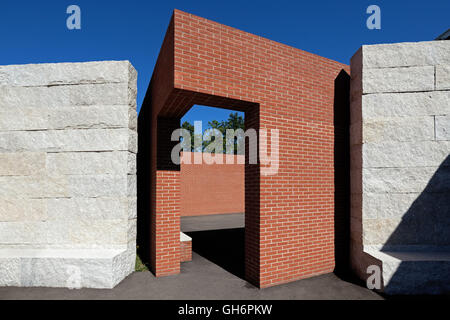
290	215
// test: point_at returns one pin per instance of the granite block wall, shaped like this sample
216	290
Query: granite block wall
400	146
68	145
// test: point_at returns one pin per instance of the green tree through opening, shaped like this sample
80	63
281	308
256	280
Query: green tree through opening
234	121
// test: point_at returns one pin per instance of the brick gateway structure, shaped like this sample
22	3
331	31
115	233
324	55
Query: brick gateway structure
290	216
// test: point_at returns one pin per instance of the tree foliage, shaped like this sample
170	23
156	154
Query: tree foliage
234	121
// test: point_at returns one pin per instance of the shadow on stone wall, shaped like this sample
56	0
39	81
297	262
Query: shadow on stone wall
426	223
342	172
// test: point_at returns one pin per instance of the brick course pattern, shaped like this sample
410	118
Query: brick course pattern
212	188
186	251
289	216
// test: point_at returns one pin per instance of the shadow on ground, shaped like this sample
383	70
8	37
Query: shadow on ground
224	248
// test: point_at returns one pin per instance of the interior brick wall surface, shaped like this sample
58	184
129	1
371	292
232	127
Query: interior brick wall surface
212	188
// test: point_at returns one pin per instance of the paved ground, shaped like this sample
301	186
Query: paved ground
201	279
212	222
215	274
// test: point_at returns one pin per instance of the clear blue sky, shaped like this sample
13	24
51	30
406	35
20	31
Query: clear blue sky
35	31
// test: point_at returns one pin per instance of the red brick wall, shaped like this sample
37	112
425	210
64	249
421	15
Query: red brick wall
290	215
186	251
212	188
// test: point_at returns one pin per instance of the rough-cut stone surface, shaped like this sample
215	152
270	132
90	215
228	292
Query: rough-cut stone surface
393	180
89	268
400	169
19	209
69	140
413	104
443	77
60	96
414	272
74	117
10	271
406	54
88	163
399	129
443	127
90	208
22	164
59	186
56	74
68	146
398	79
405	154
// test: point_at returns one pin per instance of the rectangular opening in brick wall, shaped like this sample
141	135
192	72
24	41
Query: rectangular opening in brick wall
212	187
219	187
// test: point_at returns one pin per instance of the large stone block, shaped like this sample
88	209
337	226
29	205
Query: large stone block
101	185
379	231
406	54
10	271
74	268
414	271
124	264
86	233
443	127
62	186
70	233
56	74
23	163
398	129
91	208
23	233
398	79
82	163
132	230
423	214
132	118
69	140
79	117
19	209
402	180
33	186
387	205
443	76
414	104
132	207
405	154
63	96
